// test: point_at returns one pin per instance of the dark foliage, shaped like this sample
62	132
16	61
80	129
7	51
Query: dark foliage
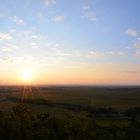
23	124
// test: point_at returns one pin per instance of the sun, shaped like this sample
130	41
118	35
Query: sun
26	76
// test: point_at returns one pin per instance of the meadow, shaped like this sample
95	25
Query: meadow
108	97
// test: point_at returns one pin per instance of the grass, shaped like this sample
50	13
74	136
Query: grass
114	97
111	122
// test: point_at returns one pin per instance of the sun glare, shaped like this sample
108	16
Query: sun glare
26	76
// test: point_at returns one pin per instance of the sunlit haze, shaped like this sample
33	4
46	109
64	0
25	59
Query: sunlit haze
70	42
26	76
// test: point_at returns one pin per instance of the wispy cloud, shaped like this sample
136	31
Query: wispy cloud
38	37
132	72
88	13
17	20
90	16
5	36
6	59
34	45
25	59
85	7
132	32
94	53
136	45
116	53
12	30
9	47
58	18
137	52
70	54
48	2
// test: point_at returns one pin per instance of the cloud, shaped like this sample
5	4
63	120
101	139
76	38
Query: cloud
9	47
90	16
58	18
85	7
34	45
5	36
6	59
132	72
38	37
12	30
88	13
94	54
29	32
17	20
25	60
116	53
137	53
48	2
69	54
132	32
57	45
136	45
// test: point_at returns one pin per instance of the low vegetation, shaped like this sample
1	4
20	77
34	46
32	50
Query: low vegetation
67	116
22	123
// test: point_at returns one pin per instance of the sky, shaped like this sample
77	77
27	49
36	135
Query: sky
70	41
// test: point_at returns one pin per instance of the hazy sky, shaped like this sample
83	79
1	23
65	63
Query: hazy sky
70	41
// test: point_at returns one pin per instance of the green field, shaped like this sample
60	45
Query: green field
107	97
